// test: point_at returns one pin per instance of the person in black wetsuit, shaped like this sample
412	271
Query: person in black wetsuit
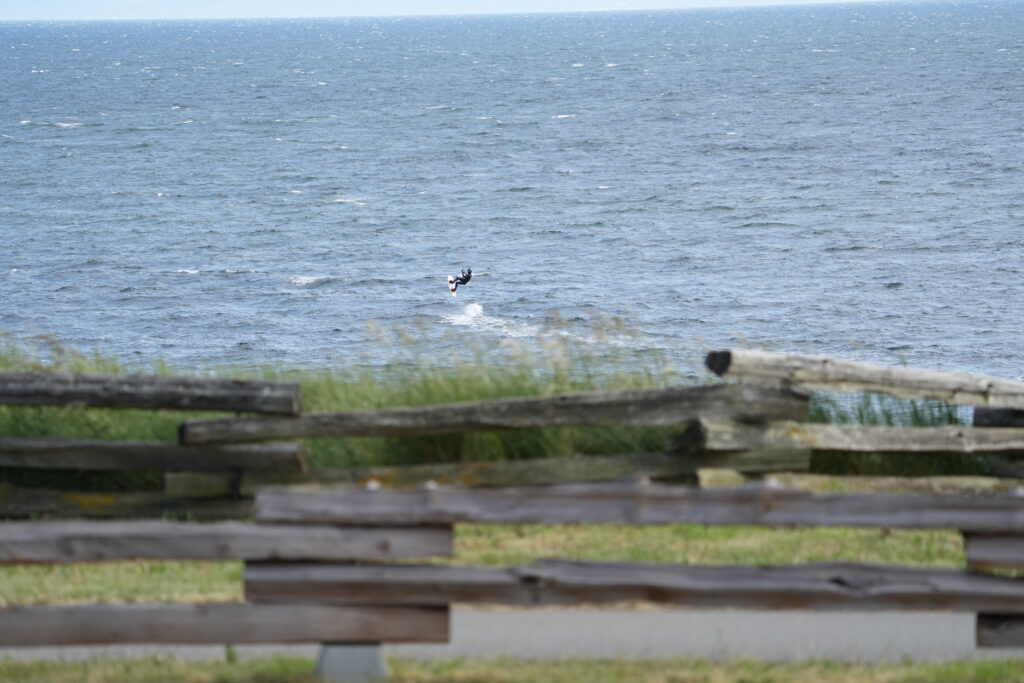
467	275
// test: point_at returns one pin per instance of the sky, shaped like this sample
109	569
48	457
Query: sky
230	9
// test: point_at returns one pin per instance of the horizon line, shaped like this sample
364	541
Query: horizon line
711	5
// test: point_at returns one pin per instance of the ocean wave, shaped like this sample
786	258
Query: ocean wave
52	124
312	281
472	316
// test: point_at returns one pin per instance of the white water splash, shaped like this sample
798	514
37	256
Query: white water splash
472	316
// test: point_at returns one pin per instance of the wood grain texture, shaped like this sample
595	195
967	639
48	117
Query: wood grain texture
81	454
26	503
547	471
650	407
726	435
640	504
554	582
995	551
218	623
817	373
78	541
147	392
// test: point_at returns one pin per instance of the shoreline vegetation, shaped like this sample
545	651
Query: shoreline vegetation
557	367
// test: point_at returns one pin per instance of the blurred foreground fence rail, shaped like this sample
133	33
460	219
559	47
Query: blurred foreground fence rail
332	564
338	561
148	392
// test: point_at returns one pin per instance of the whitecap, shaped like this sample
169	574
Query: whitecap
296	192
67	125
311	280
577	64
564	116
344	200
187	271
472	316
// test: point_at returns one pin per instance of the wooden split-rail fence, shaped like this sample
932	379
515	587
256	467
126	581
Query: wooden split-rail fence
756	425
332	564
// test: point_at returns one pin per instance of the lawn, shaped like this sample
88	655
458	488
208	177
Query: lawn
297	670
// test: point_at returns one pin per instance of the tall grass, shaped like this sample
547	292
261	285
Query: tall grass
554	364
876	409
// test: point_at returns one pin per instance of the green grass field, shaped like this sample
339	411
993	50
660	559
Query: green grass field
295	670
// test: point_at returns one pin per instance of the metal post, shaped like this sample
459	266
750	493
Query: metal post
351	663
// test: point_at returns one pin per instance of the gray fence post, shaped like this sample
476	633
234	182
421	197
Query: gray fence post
351	663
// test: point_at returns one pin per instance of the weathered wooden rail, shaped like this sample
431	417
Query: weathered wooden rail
332	565
148	392
83	454
755	426
640	503
648	408
217	623
817	373
231	446
141	392
993	527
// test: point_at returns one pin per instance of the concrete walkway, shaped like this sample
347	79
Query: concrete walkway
646	633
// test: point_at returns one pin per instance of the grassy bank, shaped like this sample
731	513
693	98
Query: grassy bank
296	670
419	379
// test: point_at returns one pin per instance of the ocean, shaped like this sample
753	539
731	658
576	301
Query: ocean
832	179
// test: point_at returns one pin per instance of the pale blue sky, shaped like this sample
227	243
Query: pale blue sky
220	9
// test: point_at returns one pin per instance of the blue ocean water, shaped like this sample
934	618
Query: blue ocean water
842	179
